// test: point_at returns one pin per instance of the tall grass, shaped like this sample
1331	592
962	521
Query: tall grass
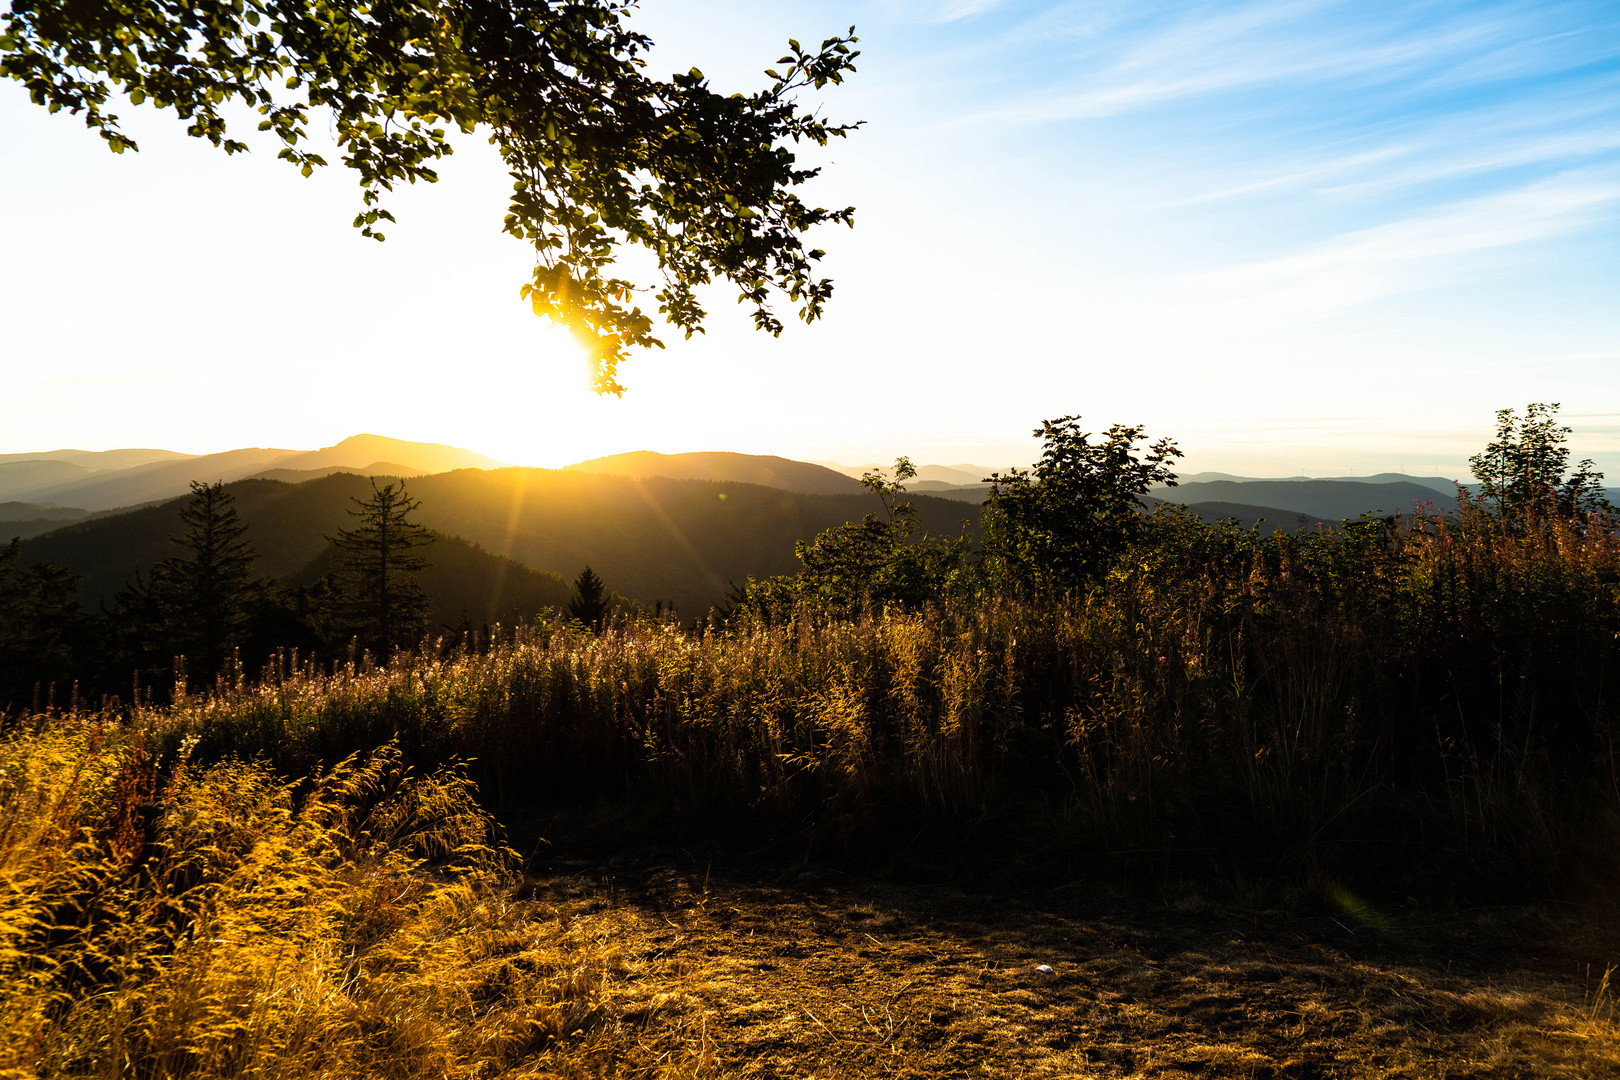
1426	696
214	921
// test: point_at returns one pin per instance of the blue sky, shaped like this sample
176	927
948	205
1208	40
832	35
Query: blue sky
1299	237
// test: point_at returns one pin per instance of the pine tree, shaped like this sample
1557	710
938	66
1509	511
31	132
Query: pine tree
382	603
590	602
201	601
41	624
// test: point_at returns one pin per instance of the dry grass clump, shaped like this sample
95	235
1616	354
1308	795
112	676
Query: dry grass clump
219	921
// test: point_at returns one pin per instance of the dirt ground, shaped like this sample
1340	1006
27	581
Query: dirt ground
807	972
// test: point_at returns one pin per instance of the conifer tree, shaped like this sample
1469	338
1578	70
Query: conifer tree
201	601
590	601
40	625
383	604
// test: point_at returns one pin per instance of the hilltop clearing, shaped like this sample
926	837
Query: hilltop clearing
792	971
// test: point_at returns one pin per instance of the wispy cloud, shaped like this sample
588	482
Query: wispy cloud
1302	42
1492	138
1437	248
963	9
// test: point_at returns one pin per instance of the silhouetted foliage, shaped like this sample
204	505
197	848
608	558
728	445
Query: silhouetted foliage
42	629
600	155
381	601
590	601
201	600
1522	473
877	560
1063	525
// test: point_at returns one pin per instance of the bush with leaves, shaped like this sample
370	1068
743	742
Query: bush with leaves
1524	474
877	560
1062	526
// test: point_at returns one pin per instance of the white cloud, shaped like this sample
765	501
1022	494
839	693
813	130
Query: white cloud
1309	42
1437	248
963	9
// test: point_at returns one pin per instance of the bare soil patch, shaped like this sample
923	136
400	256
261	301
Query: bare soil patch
812	973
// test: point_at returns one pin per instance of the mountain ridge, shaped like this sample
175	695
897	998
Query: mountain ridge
684	541
768	470
50	481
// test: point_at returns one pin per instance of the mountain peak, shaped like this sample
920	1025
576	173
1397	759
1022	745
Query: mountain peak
358	451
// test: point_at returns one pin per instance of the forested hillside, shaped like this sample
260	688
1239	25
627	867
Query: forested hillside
680	541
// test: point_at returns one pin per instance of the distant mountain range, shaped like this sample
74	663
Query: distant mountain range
1328	500
1438	483
951	475
1248	516
117	478
672	527
655	539
806	477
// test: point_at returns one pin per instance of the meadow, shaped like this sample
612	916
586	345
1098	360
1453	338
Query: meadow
305	874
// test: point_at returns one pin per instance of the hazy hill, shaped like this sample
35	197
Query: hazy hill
364	451
376	468
22	478
776	472
655	539
1330	500
1438	483
968	493
961	473
31	519
26	528
95	460
1268	517
143	483
21	511
40	479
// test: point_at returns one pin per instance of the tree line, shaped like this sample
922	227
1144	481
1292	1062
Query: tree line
1060	527
199	613
1063	525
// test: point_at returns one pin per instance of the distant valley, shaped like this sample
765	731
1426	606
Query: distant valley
677	528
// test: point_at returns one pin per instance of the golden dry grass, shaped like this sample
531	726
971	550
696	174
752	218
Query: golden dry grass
796	979
225	923
220	922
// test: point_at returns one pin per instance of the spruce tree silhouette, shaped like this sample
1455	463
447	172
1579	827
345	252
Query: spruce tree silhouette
42	629
382	604
590	602
201	602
